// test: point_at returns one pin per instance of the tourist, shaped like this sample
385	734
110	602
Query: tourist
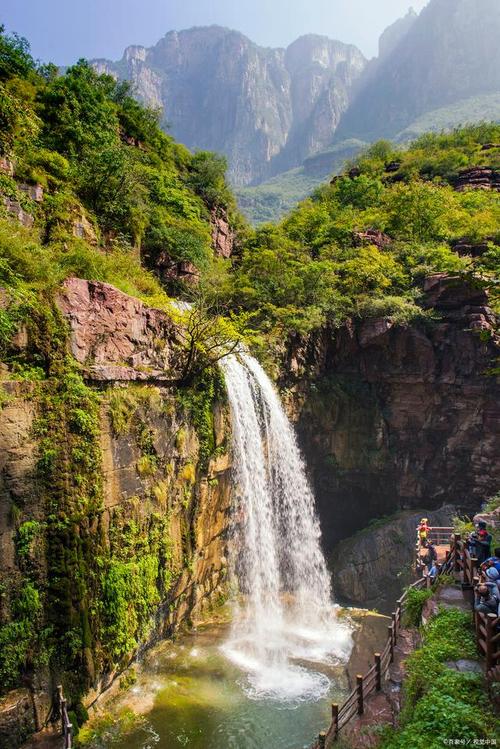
485	602
483	545
430	554
493	561
492	578
433	571
423	530
470	543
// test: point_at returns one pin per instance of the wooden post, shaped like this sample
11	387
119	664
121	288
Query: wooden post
359	685
335	720
456	539
391	640
490	634
378	672
394	623
474	567
475	583
322	740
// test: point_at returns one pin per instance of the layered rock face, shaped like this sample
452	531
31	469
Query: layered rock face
370	568
448	54
156	538
397	417
266	109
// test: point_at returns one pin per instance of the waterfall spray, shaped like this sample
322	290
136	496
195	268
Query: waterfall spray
285	619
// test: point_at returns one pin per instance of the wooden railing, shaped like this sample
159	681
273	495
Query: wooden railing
67	727
440	535
488	638
457	560
372	681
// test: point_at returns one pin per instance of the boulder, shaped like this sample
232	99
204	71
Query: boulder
117	337
177	270
82	228
34	192
372	236
445	292
477	178
465	247
7	166
15	208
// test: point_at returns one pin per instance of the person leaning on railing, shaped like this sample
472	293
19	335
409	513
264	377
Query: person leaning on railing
427	557
485	601
483	542
493	561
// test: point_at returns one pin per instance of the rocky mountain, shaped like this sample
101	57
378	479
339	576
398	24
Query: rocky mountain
446	55
266	109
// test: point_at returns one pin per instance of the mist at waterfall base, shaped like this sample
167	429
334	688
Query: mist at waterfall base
284	622
265	675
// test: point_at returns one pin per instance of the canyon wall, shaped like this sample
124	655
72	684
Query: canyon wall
147	555
115	477
397	417
265	109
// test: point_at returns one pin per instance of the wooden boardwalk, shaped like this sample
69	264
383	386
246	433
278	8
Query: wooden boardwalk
454	560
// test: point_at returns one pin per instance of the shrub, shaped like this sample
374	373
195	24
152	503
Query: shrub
440	703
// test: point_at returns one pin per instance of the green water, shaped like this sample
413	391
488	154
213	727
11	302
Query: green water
188	694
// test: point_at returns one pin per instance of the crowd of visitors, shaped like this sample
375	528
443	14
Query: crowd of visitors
478	543
427	561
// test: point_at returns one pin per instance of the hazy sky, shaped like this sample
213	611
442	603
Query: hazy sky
64	30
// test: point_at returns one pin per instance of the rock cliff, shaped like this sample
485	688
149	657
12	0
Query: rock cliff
114	503
394	417
371	568
266	109
446	55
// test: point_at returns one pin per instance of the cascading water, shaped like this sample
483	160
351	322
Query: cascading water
285	619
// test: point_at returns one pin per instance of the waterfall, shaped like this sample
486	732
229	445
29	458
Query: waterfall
284	619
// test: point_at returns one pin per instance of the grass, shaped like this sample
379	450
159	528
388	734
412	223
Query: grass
439	702
26	264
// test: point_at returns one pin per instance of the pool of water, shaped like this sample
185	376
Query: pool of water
189	694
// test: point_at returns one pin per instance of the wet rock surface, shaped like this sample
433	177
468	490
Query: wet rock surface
17	719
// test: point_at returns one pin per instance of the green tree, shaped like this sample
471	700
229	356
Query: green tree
207	178
15	56
78	111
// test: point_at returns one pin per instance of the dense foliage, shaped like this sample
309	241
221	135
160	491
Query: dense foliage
99	154
117	194
316	266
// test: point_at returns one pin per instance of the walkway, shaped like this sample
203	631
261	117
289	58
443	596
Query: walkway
383	708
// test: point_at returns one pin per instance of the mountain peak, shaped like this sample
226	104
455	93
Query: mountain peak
395	33
446	55
266	109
